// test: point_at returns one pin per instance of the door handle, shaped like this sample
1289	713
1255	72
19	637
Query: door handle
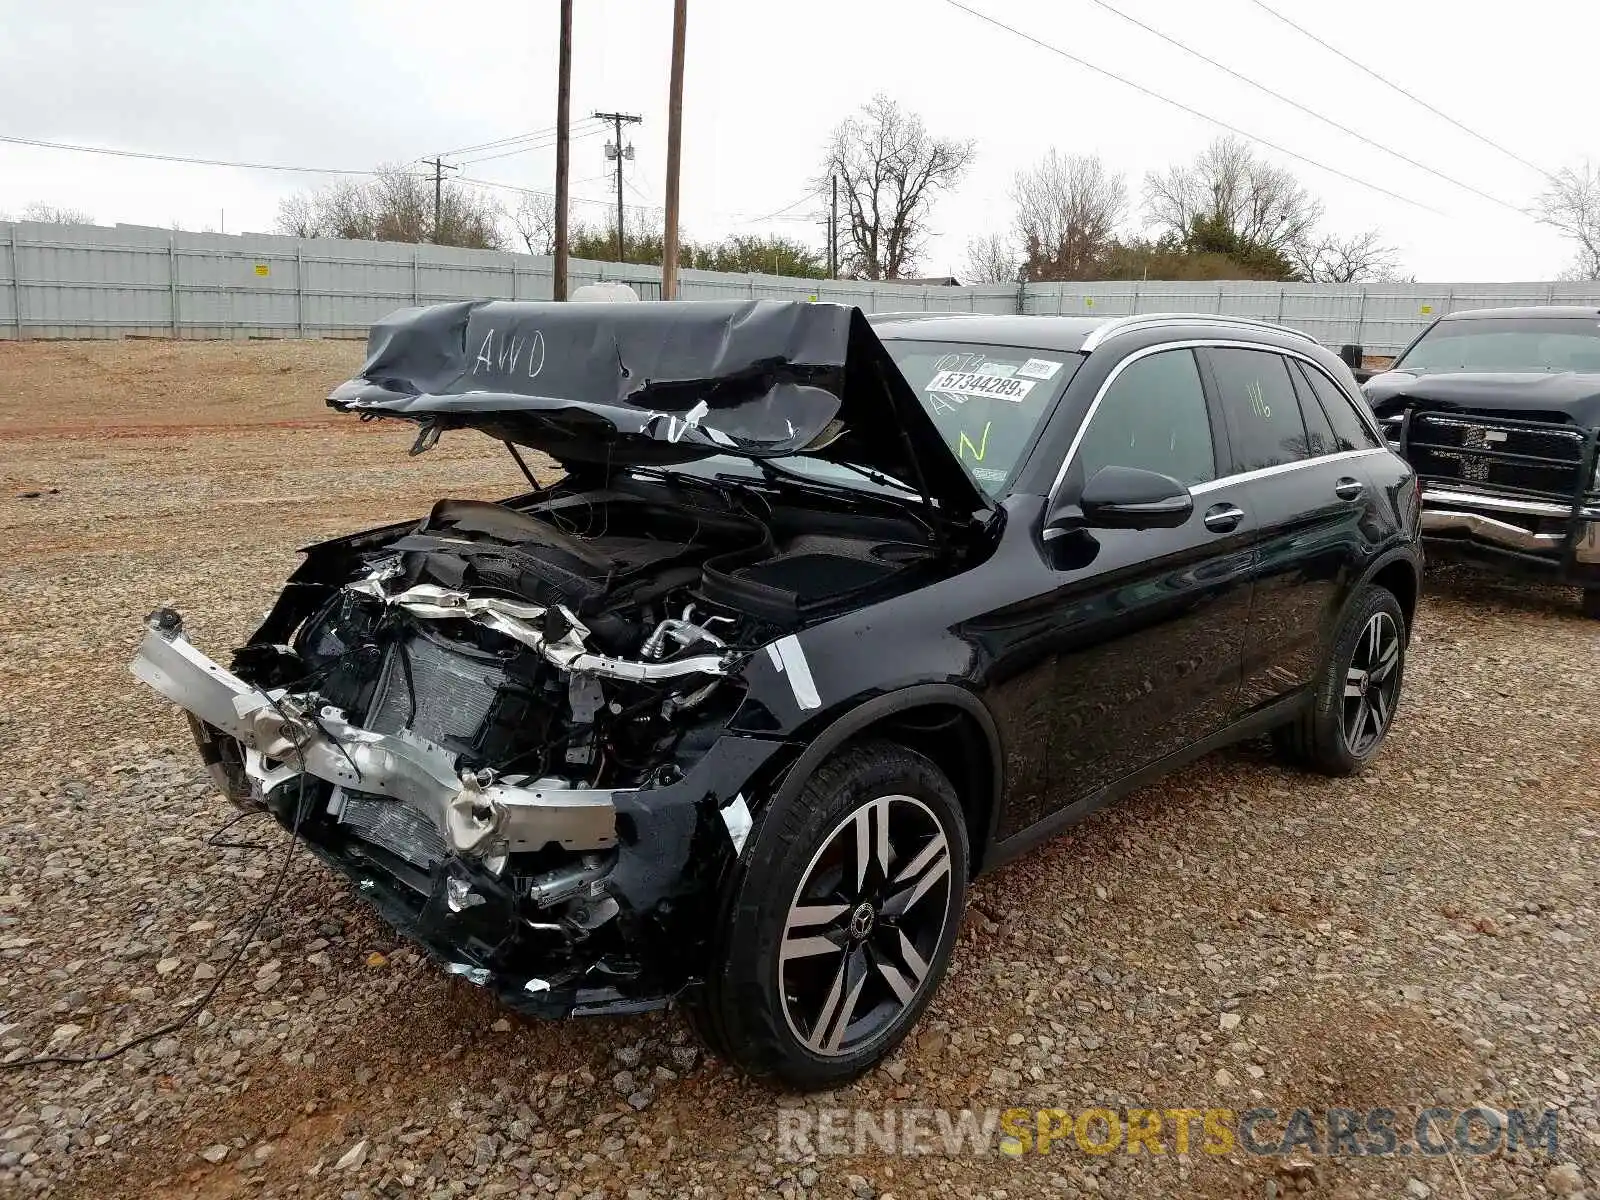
1221	518
1347	488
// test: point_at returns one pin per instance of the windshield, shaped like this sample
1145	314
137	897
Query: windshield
986	401
1507	344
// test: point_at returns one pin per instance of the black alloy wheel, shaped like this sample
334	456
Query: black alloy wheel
1352	707
864	924
1372	684
839	919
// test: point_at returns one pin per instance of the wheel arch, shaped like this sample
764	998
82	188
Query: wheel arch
1399	573
946	724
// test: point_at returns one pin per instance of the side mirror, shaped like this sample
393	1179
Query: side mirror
1128	498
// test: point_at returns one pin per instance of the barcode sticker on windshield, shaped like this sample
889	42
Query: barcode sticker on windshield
971	383
1040	368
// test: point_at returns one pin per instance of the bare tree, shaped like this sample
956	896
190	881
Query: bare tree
1228	188
1571	205
991	258
1359	258
51	214
1068	208
890	170
534	219
395	205
298	216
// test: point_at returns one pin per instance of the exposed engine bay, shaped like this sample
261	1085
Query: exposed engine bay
506	721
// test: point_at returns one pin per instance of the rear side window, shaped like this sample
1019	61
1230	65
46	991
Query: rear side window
1261	409
1350	432
1319	434
1153	417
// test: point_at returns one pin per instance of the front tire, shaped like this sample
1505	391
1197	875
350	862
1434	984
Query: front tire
845	912
1358	692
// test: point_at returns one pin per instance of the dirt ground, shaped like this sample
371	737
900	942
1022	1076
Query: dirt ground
1238	936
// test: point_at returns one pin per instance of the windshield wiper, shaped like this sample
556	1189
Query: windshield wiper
789	478
772	471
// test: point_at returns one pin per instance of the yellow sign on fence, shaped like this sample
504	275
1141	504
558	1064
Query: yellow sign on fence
263	269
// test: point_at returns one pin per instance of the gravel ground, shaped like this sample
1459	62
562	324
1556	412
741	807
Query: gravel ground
1236	936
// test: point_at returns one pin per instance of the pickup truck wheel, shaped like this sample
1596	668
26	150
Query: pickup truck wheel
1357	693
1591	603
844	915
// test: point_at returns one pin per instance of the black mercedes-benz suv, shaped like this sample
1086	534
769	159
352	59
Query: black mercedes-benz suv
824	617
1498	409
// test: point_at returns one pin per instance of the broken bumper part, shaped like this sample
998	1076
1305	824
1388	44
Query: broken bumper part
1503	523
281	741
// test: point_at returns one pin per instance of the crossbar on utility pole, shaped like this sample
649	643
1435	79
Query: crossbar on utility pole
669	241
619	120
558	282
439	168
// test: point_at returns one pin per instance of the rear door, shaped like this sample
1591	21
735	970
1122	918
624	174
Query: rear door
1151	622
1315	512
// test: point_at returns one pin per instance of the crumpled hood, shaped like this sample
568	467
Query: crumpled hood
660	382
1536	395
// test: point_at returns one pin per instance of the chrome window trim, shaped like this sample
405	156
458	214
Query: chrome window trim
1117	326
1201	344
1280	469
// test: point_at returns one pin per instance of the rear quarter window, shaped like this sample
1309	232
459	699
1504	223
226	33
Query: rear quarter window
1350	432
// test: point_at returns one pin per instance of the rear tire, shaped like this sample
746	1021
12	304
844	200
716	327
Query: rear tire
1591	603
843	916
1357	693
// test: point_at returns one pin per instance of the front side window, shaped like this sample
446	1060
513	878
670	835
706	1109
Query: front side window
1523	344
1350	432
1153	417
1259	404
987	401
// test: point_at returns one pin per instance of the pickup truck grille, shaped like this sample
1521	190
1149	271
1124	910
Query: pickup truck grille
1527	457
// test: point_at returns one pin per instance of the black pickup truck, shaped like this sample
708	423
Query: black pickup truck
1498	410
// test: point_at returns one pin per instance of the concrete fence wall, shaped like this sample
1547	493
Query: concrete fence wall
1380	317
88	281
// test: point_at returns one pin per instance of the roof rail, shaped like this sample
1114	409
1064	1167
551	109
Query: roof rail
917	314
1117	326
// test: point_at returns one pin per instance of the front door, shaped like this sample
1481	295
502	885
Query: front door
1151	622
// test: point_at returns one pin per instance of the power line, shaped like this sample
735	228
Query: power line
634	188
177	158
1194	112
1311	112
780	211
533	138
1389	83
540	145
548	131
527	191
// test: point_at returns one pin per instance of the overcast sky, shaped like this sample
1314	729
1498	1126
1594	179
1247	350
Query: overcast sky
352	83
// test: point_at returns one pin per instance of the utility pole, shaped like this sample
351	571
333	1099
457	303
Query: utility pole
563	150
617	152
833	230
669	241
439	168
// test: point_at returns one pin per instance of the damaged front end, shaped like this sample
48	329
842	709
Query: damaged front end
532	731
545	818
